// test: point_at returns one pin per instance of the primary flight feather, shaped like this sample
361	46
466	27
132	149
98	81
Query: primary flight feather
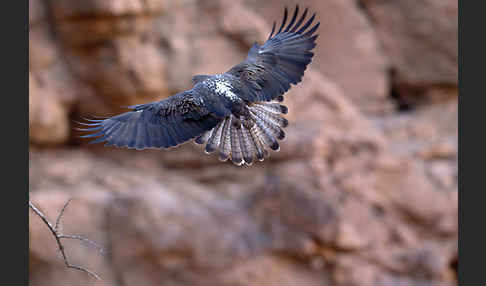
236	114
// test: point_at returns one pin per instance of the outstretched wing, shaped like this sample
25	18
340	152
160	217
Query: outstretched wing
268	70
161	124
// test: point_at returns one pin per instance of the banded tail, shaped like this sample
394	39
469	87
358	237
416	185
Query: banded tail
248	137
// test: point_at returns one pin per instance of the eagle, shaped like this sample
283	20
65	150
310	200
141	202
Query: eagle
237	114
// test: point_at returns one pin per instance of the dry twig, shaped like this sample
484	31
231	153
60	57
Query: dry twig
58	236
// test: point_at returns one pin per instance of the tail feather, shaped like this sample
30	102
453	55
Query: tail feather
261	152
213	141
236	154
242	139
225	146
271	107
249	144
268	124
246	148
274	118
266	136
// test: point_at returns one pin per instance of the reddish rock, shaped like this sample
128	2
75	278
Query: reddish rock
48	120
420	39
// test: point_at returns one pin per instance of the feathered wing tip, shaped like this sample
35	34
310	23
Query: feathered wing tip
135	130
292	26
246	139
123	130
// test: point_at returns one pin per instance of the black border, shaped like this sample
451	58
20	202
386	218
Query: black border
15	174
461	91
471	180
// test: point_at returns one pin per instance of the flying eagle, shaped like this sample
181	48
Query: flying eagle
236	114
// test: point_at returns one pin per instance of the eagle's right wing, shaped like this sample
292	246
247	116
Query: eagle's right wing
268	70
161	124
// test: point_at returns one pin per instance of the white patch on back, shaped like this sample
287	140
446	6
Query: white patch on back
224	88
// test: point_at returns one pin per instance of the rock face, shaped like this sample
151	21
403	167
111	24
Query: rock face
359	194
420	40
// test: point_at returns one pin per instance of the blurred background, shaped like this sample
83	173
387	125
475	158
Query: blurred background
363	191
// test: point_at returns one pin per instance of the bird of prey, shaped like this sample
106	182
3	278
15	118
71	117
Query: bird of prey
237	114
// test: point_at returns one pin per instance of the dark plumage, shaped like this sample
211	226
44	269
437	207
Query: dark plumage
236	114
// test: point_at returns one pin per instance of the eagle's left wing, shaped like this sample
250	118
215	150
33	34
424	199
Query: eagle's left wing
163	124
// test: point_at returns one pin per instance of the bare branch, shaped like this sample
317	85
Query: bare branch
58	236
58	220
78	237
